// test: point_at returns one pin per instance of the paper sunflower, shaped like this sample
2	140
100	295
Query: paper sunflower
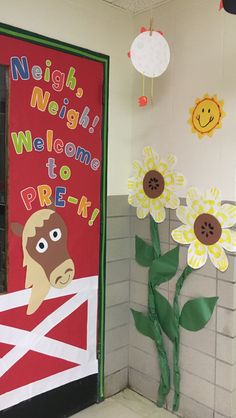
206	228
152	187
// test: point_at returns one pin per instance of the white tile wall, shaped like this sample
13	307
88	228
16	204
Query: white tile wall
227	294
118	227
116	360
117	338
226	349
189	408
138	293
117	315
145	344
117	295
226	375
143	384
207	357
196	285
138	273
198	389
226	321
144	363
224	402
117	271
203	340
197	363
229	274
116	382
118	249
218	415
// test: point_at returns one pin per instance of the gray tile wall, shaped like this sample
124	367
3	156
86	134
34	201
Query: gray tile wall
208	357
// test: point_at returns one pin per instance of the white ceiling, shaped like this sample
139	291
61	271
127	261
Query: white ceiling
135	6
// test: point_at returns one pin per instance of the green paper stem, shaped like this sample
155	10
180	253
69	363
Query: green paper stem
155	237
164	386
176	348
146	255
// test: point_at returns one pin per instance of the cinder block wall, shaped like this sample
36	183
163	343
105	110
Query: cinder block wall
208	357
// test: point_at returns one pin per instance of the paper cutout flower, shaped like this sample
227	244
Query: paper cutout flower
206	228
152	187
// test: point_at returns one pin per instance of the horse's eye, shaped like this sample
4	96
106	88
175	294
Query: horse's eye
42	245
55	234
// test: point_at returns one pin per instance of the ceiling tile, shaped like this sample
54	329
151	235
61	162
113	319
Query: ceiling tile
135	6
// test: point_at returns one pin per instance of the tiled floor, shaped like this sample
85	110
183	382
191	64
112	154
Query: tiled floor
126	404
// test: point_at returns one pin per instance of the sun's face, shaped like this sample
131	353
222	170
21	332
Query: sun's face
206	115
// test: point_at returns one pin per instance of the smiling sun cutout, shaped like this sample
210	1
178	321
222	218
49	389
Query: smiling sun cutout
206	115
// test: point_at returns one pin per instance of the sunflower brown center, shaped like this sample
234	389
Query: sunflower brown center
153	184
207	229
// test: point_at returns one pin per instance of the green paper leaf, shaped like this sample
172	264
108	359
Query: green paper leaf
143	324
165	267
197	312
144	253
166	316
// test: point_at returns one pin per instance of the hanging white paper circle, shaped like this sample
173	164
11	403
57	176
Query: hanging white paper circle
150	54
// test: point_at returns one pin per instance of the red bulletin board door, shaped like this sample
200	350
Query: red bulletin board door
52	313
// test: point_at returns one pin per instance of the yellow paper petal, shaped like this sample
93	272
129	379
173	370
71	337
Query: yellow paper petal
228	240
179	179
173	180
143	200
138	170
183	234
169	199
171	160
218	257
193	195
162	167
142	212
196	202
166	164
226	215
139	199
173	202
212	200
213	194
133	201
133	185
158	213
169	179
185	215
197	255
151	159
